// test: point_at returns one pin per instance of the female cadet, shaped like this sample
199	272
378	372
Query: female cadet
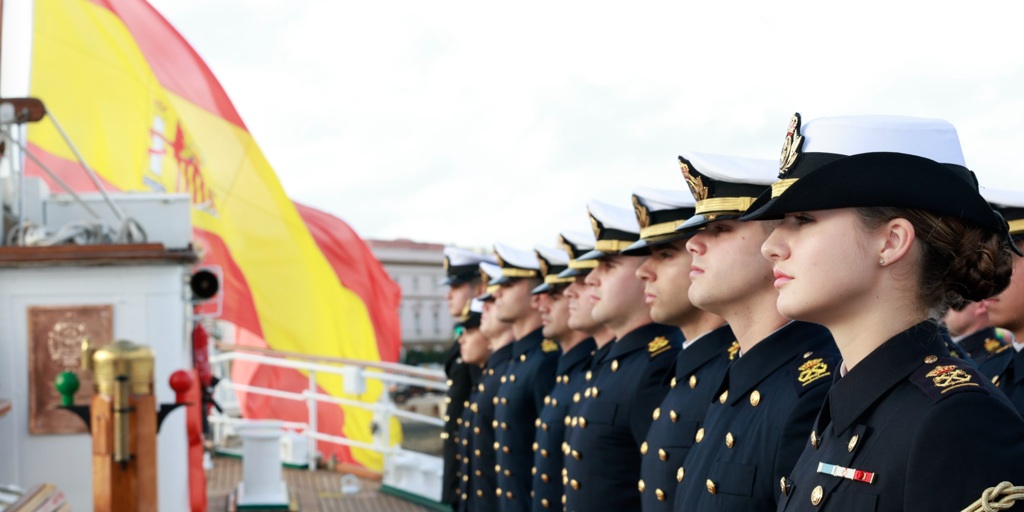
883	229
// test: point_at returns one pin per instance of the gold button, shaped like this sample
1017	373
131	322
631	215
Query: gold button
576	420
465	478
466	403
615	365
536	446
576	397
547	400
480	387
536	422
554	402
476	452
814	439
544	477
504	401
673	416
660	494
586	392
755	398
724	397
700	435
995	380
729	440
544	426
657	413
563	500
509	494
497	492
662	454
565	448
491	371
568	421
680	473
927	360
497	445
565	480
673	383
450	382
595	392
508	473
575	485
641	486
447	399
589	374
497	468
558	379
494	424
476	430
493	401
565	471
693	381
576	455
512	378
504	378
782	483
504	449
565	379
853	442
522	357
711	487
544	501
583	422
504	426
816	495
808	354
643	448
533	471
543	452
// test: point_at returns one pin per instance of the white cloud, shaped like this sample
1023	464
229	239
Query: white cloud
470	122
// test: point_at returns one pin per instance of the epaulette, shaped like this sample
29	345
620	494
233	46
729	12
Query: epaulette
548	346
734	350
811	371
658	345
943	377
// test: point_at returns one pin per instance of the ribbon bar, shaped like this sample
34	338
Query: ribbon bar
847	473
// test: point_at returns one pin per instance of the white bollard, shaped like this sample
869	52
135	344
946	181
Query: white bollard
261	465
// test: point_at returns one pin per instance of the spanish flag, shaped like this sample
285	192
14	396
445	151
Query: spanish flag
148	115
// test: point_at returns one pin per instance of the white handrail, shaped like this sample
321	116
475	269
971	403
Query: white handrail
335	370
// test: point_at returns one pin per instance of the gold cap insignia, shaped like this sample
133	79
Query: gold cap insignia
543	265
595	225
696	183
567	246
501	262
548	346
641	213
791	148
446	263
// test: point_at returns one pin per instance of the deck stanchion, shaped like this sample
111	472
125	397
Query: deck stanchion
312	421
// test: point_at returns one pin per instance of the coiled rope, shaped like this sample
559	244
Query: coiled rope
988	503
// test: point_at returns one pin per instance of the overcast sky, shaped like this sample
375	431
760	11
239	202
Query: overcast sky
473	122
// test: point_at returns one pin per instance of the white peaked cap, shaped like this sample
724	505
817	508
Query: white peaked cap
517	257
934	139
459	257
492	270
476	306
735	169
613	217
584	241
1004	198
657	200
553	256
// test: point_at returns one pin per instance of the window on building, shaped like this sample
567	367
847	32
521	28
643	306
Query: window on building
437	323
415	283
416	323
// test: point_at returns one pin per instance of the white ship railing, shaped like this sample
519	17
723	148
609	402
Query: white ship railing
353	373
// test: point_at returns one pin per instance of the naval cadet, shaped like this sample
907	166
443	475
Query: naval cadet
474	350
576	348
528	379
581	319
603	466
765	403
972	332
478	480
1004	310
464	281
705	354
883	229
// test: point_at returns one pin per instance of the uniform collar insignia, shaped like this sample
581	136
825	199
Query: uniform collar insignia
734	350
791	147
548	346
658	345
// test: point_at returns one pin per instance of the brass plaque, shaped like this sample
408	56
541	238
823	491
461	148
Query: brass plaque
55	335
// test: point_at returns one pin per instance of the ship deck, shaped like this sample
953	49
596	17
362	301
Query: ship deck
318	491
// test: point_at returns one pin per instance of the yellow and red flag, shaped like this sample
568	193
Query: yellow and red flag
148	115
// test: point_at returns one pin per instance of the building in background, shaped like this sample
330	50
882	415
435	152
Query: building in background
418	268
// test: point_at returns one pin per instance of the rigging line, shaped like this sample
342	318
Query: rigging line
52	175
92	175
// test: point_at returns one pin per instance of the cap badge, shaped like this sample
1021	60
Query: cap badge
446	263
595	225
501	262
950	377
696	184
812	370
548	346
791	148
642	217
568	247
543	266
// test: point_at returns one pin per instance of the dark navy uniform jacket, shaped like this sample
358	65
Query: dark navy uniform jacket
1008	376
551	426
590	368
692	383
478	479
907	429
528	379
989	350
461	378
603	465
758	422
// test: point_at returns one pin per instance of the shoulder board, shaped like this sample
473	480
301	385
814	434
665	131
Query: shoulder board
734	350
811	371
548	346
658	345
946	377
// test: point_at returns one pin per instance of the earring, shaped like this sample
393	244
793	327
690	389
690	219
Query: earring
881	262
